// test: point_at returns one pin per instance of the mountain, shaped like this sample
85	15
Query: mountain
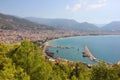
68	24
9	22
100	25
61	23
85	26
113	26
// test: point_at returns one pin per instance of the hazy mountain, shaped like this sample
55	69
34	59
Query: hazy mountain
68	24
113	26
100	25
89	27
62	23
15	23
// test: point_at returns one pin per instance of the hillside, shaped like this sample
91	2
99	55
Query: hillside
25	61
113	26
68	24
9	22
85	26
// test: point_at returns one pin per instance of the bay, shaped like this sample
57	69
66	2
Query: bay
106	48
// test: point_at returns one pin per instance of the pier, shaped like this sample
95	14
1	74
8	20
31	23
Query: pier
50	56
63	47
88	54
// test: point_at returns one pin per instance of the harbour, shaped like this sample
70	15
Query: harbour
95	45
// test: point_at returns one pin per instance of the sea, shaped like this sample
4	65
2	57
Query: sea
106	48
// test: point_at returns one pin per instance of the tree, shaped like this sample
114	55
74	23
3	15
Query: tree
29	57
116	69
10	72
103	72
81	72
74	78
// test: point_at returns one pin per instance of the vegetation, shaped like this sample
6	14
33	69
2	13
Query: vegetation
25	61
8	22
67	24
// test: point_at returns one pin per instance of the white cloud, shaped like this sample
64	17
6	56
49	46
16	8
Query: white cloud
76	7
96	6
102	1
86	5
99	4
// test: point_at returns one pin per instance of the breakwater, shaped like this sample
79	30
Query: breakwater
87	53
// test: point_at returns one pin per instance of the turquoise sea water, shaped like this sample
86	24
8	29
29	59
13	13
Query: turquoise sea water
106	48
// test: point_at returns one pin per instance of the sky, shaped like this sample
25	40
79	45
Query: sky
93	11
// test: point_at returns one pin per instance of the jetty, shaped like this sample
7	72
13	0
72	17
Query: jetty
88	53
63	47
50	55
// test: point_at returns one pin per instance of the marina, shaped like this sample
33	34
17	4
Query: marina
88	49
51	56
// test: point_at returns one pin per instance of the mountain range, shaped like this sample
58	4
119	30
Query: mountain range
70	24
113	26
67	24
9	22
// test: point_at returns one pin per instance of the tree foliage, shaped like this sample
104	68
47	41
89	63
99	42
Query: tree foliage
25	61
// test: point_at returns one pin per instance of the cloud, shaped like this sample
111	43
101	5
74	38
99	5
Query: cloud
75	8
96	6
86	5
99	4
102	1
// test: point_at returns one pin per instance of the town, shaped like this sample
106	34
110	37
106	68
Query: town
12	36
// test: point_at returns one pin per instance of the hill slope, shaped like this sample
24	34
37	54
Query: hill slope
9	22
113	26
68	24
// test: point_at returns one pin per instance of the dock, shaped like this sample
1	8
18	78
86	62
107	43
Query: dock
89	54
63	47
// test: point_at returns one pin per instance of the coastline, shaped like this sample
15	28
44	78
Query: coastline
47	44
52	39
57	59
97	60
